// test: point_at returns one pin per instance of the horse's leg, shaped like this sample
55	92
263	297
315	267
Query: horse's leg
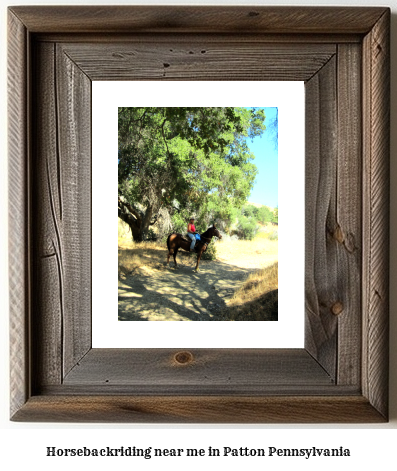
169	249
198	260
175	254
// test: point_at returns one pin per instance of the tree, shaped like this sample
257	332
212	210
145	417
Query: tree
275	215
180	160
264	214
248	211
247	227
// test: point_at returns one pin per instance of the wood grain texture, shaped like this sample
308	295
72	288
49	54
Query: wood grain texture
18	181
376	92
62	208
199	19
321	277
47	290
73	108
346	242
157	369
346	228
243	37
199	409
203	60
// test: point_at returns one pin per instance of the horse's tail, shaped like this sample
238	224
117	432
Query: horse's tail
168	241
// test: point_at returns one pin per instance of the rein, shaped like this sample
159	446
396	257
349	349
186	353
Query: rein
208	238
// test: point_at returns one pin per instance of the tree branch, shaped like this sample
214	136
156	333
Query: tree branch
128	219
154	220
147	218
134	211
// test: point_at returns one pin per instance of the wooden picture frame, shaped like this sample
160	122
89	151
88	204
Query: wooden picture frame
342	54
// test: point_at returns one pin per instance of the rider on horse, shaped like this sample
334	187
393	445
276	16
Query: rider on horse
191	230
176	241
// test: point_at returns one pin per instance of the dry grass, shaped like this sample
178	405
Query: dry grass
134	256
256	253
257	298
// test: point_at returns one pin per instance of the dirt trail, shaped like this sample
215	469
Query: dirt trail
159	293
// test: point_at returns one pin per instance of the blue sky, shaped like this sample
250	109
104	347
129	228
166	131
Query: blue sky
265	189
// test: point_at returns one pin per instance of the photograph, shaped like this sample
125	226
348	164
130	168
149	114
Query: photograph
188	161
198	213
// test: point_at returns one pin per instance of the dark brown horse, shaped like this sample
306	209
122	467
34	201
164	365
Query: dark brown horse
177	241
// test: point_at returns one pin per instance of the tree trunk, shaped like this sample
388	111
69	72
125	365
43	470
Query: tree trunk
146	222
137	220
132	223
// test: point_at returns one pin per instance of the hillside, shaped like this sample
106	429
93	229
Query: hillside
257	205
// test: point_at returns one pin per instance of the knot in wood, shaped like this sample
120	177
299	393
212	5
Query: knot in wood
183	358
337	308
338	235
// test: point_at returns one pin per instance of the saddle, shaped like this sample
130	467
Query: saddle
188	239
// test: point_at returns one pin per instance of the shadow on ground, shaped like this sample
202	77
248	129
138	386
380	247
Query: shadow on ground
169	294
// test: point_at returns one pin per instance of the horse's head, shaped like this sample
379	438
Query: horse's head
216	233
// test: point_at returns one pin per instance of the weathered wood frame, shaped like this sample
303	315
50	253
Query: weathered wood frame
343	56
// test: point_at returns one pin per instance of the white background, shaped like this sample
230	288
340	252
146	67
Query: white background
288	332
23	445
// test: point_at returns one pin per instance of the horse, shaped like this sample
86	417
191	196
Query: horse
176	241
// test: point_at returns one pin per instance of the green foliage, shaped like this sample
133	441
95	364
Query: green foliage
275	216
210	253
184	160
247	227
264	214
248	211
244	222
151	235
250	215
179	222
